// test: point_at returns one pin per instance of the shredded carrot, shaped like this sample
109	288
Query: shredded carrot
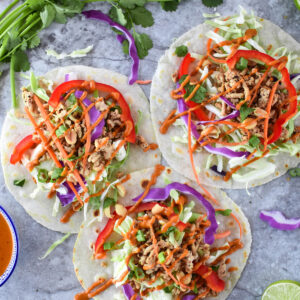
239	224
143	81
222	235
266	123
193	165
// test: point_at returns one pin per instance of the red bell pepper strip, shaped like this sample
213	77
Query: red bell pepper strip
183	70
77	84
109	227
292	94
213	281
21	148
181	226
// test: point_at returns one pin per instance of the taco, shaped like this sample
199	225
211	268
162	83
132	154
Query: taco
76	134
226	112
164	241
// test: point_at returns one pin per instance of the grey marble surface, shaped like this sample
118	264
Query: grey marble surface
275	254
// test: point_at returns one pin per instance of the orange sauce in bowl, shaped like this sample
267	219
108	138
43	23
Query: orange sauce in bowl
6	245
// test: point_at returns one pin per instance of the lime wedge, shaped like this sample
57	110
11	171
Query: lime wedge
297	3
282	290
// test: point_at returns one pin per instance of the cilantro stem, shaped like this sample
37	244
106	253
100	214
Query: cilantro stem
30	26
8	8
12	82
11	17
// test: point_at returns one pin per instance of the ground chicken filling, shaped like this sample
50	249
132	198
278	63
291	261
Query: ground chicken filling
72	131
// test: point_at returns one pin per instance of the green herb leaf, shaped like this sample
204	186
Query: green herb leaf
225	212
21	62
140	236
108	245
108	202
47	15
215	268
34	42
161	257
245	111
132	3
19	182
95	202
200	94
254	141
117	15
56	173
168	289
143	44
195	289
241	64
171	5
36	4
61	130
212	3
142	16
181	51
43	175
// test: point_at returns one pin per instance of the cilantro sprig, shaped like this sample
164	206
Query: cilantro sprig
21	22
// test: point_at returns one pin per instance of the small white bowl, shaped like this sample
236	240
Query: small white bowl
13	261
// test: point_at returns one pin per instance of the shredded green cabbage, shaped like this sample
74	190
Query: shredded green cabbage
73	54
54	245
187	212
124	227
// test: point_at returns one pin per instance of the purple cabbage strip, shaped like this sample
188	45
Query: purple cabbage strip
121	38
67	77
69	197
189	297
277	220
232	115
96	14
292	76
215	150
227	102
215	169
129	292
94	116
163	193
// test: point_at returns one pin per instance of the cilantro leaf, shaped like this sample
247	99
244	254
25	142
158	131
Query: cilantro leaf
245	111
142	16
19	182
117	15
34	42
143	44
225	212
47	15
254	141
200	94
132	3
212	3
61	130
21	62
169	5
36	4
181	51
108	202
56	174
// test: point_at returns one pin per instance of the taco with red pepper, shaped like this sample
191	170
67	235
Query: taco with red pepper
225	102
77	133
165	240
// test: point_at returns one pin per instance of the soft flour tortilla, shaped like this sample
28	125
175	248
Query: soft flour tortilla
161	104
89	270
14	130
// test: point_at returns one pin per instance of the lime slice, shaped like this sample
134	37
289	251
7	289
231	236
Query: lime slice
282	290
297	3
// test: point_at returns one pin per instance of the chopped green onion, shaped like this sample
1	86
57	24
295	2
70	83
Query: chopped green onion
254	141
225	212
194	217
161	257
168	289
96	93
61	130
140	214
71	100
195	289
55	244
56	173
43	175
19	182
241	64
140	236
108	245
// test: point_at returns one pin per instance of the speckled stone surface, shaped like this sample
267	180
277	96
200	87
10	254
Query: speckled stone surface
275	254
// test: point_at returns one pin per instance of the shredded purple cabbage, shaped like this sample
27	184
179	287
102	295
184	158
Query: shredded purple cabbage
215	169
96	14
94	116
67	77
69	196
277	220
121	38
292	76
188	297
227	102
232	115
215	150
163	193
129	292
